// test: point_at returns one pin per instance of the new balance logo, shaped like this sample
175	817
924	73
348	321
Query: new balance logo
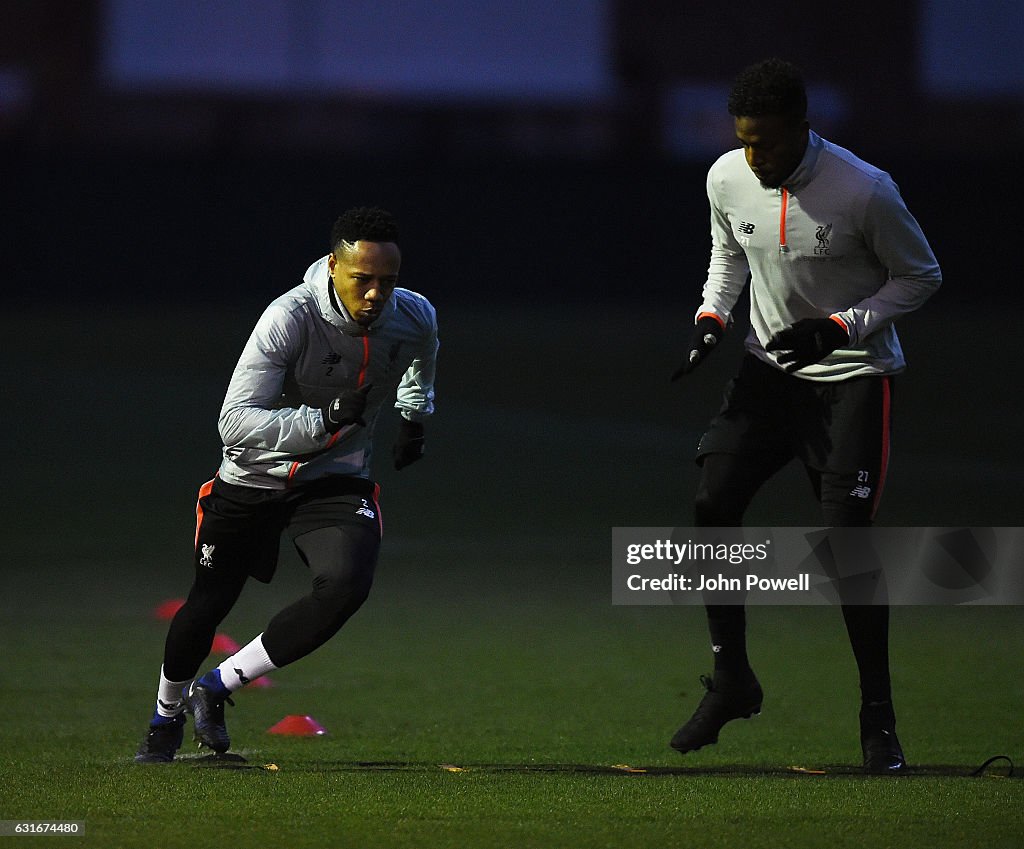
207	556
746	227
861	492
366	510
241	676
331	359
716	649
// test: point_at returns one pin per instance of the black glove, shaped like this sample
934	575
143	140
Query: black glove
706	334
346	409
409	447
808	341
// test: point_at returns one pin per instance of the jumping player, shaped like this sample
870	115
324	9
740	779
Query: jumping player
833	258
297	427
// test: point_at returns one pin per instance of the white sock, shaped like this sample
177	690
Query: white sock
245	665
169	701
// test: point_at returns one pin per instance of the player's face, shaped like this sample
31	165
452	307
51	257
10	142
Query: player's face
773	145
364	277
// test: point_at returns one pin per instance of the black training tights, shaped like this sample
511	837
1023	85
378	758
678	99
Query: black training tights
728	483
341	560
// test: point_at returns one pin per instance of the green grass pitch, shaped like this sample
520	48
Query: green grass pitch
488	694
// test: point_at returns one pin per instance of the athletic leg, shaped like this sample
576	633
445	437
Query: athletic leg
851	499
727	485
194	626
235	532
188	642
866	624
342	560
341	556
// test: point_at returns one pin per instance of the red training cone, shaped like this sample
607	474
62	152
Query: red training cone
223	644
298	726
166	609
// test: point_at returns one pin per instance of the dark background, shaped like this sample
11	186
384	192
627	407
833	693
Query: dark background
564	240
120	183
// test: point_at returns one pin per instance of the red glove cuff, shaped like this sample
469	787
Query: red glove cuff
716	318
842	324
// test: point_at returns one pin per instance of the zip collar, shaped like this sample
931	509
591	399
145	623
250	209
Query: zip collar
318	278
804	172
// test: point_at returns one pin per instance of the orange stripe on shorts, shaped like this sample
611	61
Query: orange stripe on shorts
204	490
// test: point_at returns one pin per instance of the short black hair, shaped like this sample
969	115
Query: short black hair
770	87
364	223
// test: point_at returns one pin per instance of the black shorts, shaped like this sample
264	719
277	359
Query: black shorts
239	528
838	428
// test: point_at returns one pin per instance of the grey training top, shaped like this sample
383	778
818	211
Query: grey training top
304	349
836	239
